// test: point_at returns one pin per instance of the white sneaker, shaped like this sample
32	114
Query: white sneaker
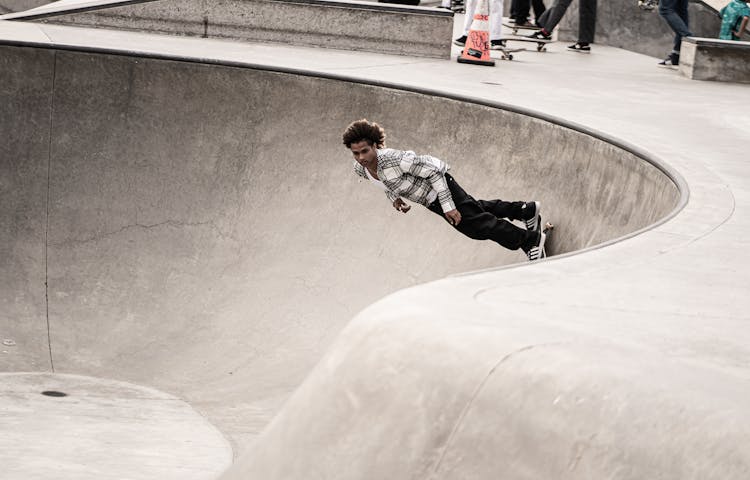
536	252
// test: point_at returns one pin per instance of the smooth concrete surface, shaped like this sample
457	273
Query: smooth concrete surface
648	333
102	429
175	242
12	6
716	60
347	25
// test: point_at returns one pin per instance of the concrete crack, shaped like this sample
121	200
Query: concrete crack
473	398
138	225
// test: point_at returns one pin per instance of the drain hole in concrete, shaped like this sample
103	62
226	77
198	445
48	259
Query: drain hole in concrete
53	393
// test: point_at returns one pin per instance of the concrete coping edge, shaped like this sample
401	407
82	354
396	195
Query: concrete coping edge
717	42
37	14
676	178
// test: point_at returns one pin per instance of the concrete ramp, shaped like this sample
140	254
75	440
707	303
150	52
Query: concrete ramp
196	228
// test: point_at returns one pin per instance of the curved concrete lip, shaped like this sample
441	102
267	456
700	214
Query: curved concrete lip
703	237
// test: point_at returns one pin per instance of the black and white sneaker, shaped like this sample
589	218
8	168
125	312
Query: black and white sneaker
537	251
497	45
530	214
580	48
672	60
460	41
539	35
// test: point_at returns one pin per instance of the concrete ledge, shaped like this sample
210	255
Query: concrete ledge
714	59
347	25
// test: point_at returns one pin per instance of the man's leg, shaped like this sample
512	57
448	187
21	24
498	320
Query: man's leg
539	8
669	11
554	14
479	224
586	21
522	11
496	19
513	9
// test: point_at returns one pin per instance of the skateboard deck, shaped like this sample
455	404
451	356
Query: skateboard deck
507	53
516	28
547	230
541	45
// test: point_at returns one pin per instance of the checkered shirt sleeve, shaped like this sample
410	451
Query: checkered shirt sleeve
413	176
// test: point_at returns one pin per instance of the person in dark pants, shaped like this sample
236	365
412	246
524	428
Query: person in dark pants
675	13
424	179
519	11
586	23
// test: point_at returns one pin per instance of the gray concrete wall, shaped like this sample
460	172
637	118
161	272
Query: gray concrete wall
620	23
205	233
10	6
25	86
373	27
716	60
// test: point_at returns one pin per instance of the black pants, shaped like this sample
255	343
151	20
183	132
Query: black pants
484	219
519	9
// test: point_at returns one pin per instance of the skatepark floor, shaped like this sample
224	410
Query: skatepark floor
680	288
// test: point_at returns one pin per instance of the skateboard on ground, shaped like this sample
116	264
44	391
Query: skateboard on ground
507	53
515	28
541	45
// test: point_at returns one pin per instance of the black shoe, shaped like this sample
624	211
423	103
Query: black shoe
580	47
497	45
672	60
536	250
530	215
539	35
460	41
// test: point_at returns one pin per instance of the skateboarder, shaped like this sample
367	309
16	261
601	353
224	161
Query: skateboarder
424	179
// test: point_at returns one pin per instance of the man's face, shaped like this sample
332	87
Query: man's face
365	154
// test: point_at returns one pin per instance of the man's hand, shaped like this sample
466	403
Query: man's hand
453	216
401	206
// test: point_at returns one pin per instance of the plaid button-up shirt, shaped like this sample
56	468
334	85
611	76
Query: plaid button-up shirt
415	177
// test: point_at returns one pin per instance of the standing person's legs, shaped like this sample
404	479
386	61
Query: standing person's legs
496	19
539	8
480	224
554	14
668	10
513	9
522	11
470	6
586	21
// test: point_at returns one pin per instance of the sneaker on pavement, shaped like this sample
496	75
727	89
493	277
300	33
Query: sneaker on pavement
672	60
530	215
580	47
539	35
460	41
537	251
497	45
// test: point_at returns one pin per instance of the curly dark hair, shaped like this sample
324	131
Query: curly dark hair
360	130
